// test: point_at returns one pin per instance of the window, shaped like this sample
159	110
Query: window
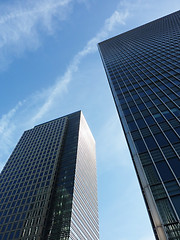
154	110
149	120
176	201
167	114
166	211
134	109
175	164
168	151
132	126
17	234
157	101
158	191
145	158
156	89
141	123
140	146
142	106
126	112
162	141
164	171
176	111
150	143
172	188
158	117
164	99
178	130
149	104
149	92
151	174
173	138
157	155
136	135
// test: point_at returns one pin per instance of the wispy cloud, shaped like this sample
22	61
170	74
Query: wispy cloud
7	127
62	82
5	119
21	24
32	110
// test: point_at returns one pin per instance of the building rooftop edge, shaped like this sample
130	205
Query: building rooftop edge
79	111
138	27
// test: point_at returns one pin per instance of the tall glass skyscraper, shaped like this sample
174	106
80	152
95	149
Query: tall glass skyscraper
143	70
48	188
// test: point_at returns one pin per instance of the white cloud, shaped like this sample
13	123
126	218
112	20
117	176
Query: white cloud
20	25
116	19
36	106
7	127
143	11
91	46
4	121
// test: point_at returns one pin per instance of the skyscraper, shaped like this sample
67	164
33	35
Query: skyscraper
48	187
143	70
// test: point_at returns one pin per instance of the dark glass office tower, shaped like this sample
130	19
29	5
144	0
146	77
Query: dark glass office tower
48	187
143	70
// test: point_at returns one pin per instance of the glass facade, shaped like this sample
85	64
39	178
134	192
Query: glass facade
143	70
38	183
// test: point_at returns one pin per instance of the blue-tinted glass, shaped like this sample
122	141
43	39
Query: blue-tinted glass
172	136
132	126
149	120
162	141
149	104
151	56
11	235
176	201
175	164
141	106
168	115
164	99
141	123
164	171
142	94
172	96
159	119
5	236
9	227
173	188
150	143
178	130
134	109
149	91
156	89
129	98
151	174
166	211
140	146
14	225
122	100
157	101
176	111
17	234
126	112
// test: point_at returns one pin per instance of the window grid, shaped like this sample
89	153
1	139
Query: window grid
143	71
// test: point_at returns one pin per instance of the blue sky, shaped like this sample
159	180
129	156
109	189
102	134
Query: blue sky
50	67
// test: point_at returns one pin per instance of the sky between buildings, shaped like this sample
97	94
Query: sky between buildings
50	67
